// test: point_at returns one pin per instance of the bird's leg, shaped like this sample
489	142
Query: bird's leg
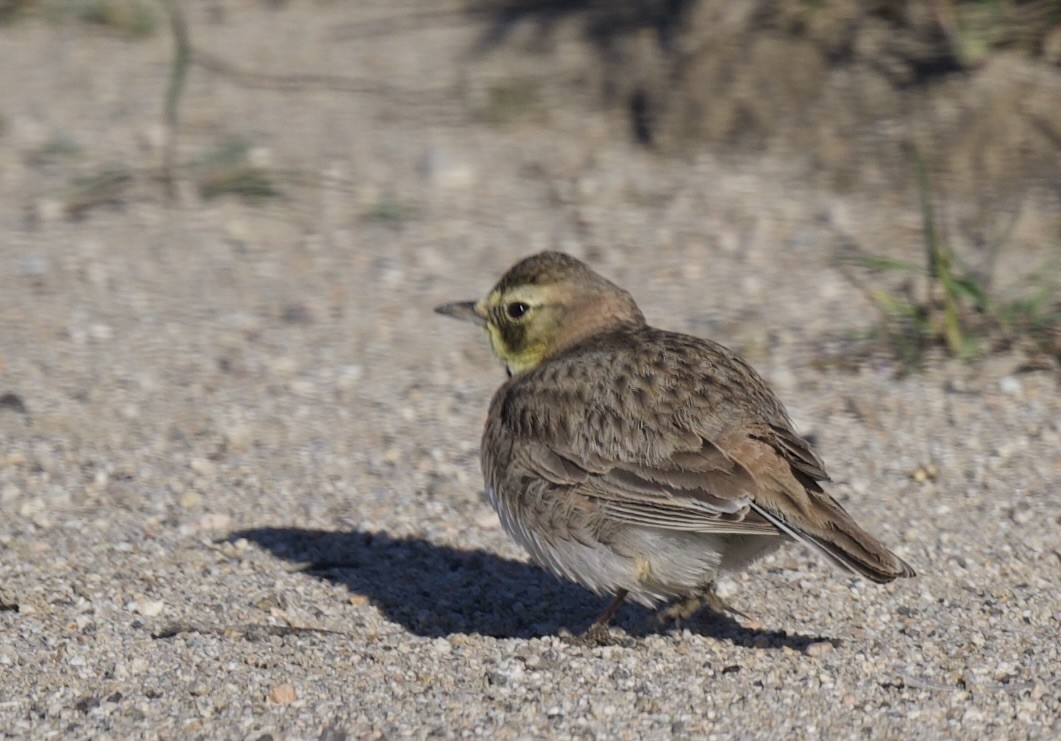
686	607
598	632
605	617
679	610
719	605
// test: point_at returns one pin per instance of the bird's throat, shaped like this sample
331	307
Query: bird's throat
516	354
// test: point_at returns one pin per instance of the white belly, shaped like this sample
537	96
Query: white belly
654	564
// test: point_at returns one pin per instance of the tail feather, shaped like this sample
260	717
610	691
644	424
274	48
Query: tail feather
847	545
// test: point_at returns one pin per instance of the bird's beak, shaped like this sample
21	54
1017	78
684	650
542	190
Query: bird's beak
466	311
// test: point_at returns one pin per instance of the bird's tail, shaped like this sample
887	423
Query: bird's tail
840	539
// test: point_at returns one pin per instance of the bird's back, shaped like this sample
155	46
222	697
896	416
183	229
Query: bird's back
639	377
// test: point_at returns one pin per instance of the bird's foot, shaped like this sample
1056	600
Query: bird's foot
712	600
678	611
596	635
684	608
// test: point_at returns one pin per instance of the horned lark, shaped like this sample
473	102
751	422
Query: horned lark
642	463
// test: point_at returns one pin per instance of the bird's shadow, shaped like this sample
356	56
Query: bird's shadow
436	591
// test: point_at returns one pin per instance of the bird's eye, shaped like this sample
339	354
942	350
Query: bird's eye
516	309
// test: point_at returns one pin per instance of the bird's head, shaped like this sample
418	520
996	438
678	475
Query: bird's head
544	304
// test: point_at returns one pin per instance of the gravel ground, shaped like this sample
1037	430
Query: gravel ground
239	484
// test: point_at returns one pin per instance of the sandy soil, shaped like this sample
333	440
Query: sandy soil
239	487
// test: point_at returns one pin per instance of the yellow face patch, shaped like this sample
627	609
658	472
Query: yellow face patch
520	342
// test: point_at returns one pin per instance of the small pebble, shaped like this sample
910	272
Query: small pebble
150	608
215	521
487	519
189	499
1010	385
283	694
819	648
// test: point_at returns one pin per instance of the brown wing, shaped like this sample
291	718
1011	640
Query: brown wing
790	498
700	491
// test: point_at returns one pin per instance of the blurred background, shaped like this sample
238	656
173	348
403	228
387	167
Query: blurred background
900	155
